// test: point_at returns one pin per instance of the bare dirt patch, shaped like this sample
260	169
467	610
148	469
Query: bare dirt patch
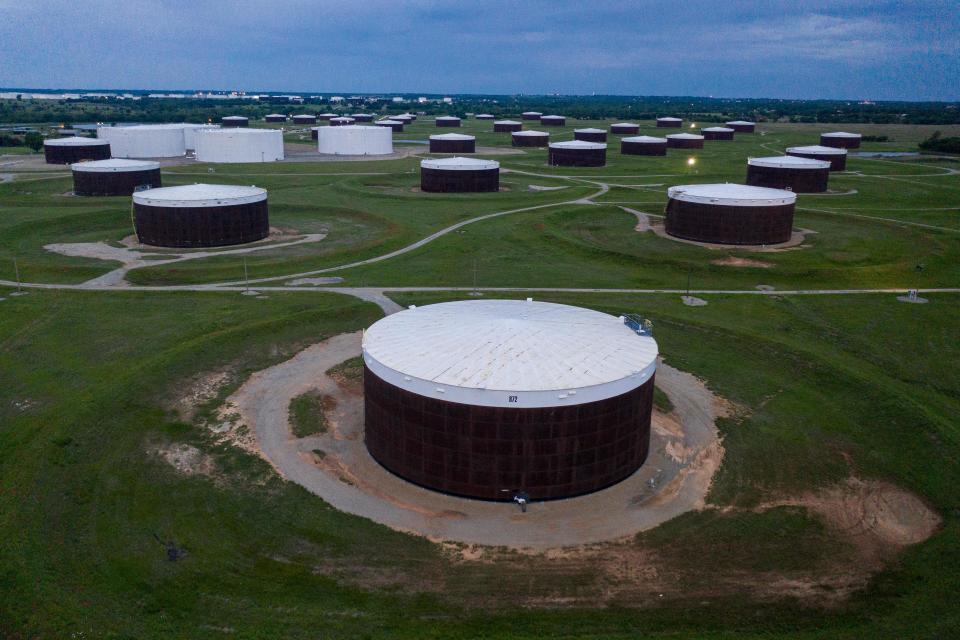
186	459
733	261
878	517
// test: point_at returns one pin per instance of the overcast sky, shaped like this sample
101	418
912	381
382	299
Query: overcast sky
908	49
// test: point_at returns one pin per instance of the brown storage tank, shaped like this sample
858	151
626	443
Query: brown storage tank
717	133
116	177
453	143
506	126
669	122
578	154
684	141
727	213
590	135
491	398
800	175
840	140
459	175
530	138
643	146
836	157
201	215
74	149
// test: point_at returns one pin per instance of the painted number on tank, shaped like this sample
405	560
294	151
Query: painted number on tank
512	398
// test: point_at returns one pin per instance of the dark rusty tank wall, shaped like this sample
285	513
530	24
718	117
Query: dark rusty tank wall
459	181
797	180
578	157
717	135
61	154
506	127
201	226
742	128
590	136
839	142
489	452
114	183
447	123
531	141
453	146
625	129
721	224
643	148
234	123
685	143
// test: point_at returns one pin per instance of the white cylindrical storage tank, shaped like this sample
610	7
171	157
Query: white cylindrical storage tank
240	145
355	140
190	133
144	141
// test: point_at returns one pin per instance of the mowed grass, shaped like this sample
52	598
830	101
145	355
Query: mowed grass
87	502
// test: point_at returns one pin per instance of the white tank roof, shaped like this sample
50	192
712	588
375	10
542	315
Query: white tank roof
590	130
788	162
532	113
326	115
644	139
446	118
483	115
304	115
388	122
342	119
741	122
115	165
234	118
552	117
818	149
538	134
507	122
718	129
731	195
452	136
841	134
509	353
670	119
578	144
685	136
200	195
363	115
74	141
275	115
459	164
625	124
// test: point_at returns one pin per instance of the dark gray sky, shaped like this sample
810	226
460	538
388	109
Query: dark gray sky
736	48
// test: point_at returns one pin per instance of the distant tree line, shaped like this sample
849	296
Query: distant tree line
146	109
938	144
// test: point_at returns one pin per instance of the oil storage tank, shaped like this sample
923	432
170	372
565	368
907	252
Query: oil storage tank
393	125
355	140
643	146
235	121
590	134
717	133
234	145
742	126
459	175
800	175
506	126
341	121
669	122
553	121
531	115
530	138
145	141
489	398
836	157
201	215
447	121
275	117
624	129
684	141
577	153
304	118
840	140
730	214
75	149
453	143
114	177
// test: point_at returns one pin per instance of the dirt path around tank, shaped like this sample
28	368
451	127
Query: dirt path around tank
685	453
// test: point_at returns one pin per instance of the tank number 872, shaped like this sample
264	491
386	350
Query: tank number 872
511	398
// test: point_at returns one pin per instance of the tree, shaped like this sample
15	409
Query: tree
34	140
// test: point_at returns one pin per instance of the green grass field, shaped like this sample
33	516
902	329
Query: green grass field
103	535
